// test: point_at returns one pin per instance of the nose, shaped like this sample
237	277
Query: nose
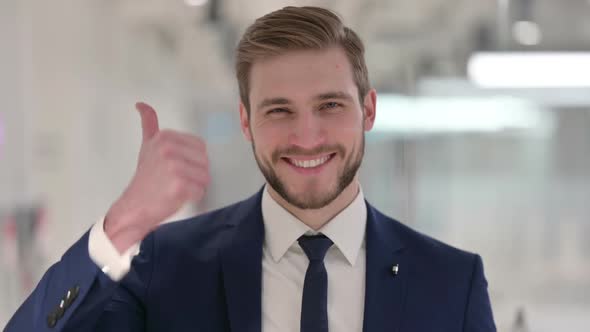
307	131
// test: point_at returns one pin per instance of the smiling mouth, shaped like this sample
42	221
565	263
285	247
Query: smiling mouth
308	164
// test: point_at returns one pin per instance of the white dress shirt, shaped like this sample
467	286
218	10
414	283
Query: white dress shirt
284	265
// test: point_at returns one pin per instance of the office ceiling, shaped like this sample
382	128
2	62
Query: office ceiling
406	39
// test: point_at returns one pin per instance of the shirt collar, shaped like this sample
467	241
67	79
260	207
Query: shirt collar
346	229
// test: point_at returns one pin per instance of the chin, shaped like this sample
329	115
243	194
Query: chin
311	199
304	187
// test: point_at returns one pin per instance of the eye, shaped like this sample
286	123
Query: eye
330	105
278	111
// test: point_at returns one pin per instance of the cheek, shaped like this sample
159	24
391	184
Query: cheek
350	117
268	138
343	127
272	131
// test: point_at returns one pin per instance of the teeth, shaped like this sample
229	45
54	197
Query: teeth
310	163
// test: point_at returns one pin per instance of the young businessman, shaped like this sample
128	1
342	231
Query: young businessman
306	253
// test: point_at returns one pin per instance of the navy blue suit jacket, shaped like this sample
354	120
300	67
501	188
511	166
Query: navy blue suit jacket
205	274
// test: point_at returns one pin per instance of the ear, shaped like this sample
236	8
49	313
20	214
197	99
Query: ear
245	122
370	109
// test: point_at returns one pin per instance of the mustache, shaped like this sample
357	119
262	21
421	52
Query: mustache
338	148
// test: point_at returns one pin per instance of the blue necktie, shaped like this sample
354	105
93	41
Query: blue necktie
314	307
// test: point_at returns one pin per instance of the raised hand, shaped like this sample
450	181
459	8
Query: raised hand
172	168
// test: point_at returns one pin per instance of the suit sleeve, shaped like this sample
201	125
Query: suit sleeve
75	295
478	313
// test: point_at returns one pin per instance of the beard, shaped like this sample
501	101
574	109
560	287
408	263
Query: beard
313	199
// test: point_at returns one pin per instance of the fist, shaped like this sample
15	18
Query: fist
172	168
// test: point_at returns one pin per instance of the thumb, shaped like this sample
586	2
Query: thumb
149	120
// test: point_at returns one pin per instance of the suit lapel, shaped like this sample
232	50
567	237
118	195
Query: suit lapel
384	292
242	267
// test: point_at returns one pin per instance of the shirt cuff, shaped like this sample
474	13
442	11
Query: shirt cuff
104	254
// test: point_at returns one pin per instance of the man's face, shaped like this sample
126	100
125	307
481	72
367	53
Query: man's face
307	124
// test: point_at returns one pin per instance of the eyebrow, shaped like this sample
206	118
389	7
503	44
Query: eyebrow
323	96
334	95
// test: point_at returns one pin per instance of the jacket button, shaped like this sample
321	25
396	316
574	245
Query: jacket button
59	311
71	296
52	320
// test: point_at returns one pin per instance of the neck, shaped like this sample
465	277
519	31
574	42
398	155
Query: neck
317	218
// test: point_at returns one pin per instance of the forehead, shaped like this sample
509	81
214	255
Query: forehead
300	75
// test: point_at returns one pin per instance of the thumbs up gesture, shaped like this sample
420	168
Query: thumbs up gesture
172	169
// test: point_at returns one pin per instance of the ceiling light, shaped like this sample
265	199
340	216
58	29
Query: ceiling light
195	3
415	115
530	70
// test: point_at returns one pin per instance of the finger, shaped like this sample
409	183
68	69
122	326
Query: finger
194	177
189	155
184	138
193	183
149	120
196	193
194	172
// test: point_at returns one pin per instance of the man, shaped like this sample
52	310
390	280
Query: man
306	253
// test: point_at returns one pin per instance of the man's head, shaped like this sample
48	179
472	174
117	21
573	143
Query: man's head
305	103
294	29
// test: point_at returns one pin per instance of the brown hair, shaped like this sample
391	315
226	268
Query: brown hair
298	28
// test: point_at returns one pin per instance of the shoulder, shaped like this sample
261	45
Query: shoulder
435	267
425	248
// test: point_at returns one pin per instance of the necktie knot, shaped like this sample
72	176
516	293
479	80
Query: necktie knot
315	246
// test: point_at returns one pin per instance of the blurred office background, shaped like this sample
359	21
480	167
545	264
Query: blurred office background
482	137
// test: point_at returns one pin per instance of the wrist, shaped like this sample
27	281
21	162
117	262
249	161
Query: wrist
124	228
